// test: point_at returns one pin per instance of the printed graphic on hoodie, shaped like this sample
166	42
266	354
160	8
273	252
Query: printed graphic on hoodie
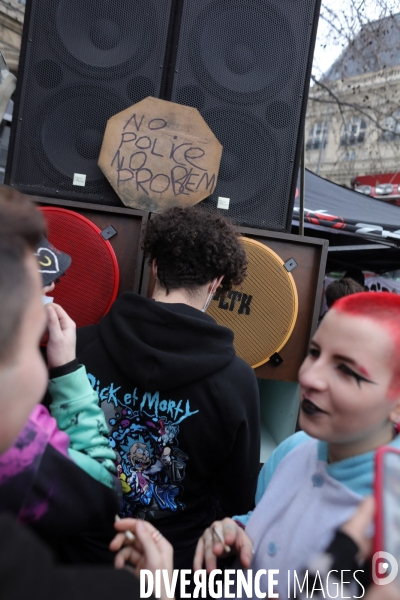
144	433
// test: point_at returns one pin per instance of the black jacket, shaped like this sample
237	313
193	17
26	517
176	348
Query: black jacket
43	487
183	411
28	571
71	511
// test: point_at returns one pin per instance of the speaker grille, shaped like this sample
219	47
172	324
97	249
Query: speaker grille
244	64
67	137
263	312
104	38
230	45
83	62
248	145
91	283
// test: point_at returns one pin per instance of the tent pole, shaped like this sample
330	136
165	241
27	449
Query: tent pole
302	186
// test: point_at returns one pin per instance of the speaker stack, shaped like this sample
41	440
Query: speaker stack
244	64
81	63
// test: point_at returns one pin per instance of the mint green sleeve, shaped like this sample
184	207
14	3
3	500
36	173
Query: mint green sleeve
269	468
75	406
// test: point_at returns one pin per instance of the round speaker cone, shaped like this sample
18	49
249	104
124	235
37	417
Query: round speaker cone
105	38
191	95
69	132
48	74
263	311
236	50
249	158
90	285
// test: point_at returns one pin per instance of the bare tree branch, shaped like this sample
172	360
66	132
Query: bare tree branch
337	100
369	33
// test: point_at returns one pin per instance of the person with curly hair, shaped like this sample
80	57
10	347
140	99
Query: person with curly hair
182	408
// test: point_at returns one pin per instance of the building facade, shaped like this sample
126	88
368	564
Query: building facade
11	22
353	117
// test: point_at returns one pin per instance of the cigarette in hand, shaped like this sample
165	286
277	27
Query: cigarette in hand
128	534
221	538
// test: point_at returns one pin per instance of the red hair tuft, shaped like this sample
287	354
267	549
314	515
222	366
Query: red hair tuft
384	309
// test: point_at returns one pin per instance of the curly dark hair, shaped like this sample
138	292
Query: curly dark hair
192	247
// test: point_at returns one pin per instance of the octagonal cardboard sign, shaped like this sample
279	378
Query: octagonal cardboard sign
158	154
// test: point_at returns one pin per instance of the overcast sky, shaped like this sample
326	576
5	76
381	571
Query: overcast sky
328	49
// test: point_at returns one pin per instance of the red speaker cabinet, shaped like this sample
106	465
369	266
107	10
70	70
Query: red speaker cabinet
124	231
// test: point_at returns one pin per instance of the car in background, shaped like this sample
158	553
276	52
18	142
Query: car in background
383	186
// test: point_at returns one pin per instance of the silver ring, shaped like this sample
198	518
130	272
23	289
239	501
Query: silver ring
234	527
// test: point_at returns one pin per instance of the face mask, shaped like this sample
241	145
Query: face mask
210	296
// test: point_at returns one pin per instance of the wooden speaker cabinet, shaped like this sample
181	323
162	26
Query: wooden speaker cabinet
305	258
310	255
128	225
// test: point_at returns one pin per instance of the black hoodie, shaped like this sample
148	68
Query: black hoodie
183	411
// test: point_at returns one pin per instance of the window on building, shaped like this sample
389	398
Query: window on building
391	126
350	156
354	132
317	136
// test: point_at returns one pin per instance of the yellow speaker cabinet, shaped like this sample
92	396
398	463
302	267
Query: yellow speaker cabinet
275	312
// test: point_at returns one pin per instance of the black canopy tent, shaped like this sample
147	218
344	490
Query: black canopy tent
363	232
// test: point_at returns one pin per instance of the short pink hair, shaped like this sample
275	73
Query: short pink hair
384	309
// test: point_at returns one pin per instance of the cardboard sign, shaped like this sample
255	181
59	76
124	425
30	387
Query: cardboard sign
158	154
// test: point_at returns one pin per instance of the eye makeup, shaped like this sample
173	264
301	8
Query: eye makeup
348	371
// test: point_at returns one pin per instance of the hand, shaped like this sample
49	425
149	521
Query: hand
149	550
61	347
209	546
357	527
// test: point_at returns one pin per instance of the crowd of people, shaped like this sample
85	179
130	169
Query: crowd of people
134	443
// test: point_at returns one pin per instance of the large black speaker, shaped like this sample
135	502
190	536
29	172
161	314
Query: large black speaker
82	61
245	64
